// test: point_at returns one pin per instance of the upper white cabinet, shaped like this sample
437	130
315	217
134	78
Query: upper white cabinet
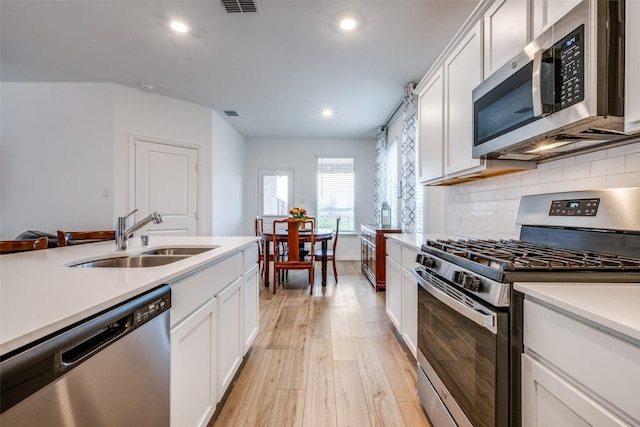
505	32
632	67
462	73
548	12
431	128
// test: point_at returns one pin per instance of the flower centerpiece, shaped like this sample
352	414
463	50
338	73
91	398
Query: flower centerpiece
299	213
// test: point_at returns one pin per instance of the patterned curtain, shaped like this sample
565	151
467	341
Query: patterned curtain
409	131
380	182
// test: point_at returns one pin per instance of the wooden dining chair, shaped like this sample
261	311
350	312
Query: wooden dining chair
330	254
259	229
289	258
68	238
11	246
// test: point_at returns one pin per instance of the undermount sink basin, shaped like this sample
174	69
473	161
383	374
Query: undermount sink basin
180	251
135	261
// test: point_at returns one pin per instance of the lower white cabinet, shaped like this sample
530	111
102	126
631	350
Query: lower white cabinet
251	310
230	336
550	400
575	373
214	320
410	311
402	292
394	292
194	392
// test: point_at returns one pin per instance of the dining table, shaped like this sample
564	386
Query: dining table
320	235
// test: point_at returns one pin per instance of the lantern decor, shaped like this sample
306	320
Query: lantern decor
385	215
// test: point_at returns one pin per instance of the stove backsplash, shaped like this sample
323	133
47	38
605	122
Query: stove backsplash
486	209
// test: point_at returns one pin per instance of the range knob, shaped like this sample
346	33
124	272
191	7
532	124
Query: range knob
425	260
467	281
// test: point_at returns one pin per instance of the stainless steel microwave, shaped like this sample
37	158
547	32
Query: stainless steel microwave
563	93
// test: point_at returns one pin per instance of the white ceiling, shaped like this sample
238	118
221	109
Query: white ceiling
278	69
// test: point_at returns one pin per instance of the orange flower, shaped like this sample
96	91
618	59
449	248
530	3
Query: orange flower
300	213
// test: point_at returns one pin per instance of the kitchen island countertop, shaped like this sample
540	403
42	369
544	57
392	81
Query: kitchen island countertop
40	294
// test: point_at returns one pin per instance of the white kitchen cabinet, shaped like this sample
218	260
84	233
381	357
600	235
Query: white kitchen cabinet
230	336
548	12
402	292
214	320
250	306
550	400
575	373
431	128
409	300
505	32
462	73
194	392
632	67
394	289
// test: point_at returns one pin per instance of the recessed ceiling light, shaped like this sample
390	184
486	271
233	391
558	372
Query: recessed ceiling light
348	24
179	27
327	113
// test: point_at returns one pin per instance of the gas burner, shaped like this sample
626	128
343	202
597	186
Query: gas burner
512	255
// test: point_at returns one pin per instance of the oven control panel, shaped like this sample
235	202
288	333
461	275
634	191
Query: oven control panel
575	207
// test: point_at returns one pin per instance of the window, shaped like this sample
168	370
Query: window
275	192
336	193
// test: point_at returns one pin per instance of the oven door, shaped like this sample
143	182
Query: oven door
463	354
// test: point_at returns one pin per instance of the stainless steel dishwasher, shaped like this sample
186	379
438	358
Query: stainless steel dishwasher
109	370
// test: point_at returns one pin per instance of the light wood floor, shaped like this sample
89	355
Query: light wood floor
333	359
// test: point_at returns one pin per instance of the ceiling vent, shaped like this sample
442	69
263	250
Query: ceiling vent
231	113
241	6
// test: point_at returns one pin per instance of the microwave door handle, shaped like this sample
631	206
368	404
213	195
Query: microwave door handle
536	83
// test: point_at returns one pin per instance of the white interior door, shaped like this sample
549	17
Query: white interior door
166	180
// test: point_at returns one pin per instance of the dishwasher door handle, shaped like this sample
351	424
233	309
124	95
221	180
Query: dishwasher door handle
102	338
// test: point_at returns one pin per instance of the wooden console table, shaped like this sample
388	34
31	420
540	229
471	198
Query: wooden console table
374	251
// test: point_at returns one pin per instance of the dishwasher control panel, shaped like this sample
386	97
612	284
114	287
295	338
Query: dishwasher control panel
151	310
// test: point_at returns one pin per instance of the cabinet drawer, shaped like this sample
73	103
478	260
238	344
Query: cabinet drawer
193	290
409	258
606	365
250	257
394	251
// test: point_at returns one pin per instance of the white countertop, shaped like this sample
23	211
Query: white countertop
40	294
615	306
415	240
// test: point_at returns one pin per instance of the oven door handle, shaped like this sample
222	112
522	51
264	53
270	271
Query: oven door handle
479	314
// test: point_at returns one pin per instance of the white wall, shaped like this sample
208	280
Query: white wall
300	155
56	157
487	208
63	143
228	160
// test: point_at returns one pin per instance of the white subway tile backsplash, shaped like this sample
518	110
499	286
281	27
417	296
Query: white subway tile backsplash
623	150
632	163
589	157
488	208
609	166
624	180
551	175
581	170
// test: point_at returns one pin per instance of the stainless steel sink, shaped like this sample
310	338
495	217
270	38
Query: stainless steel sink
194	250
134	261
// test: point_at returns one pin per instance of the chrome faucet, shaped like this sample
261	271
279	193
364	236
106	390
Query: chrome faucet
123	233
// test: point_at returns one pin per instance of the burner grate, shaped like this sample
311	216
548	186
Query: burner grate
512	255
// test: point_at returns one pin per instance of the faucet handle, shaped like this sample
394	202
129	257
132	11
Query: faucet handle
131	213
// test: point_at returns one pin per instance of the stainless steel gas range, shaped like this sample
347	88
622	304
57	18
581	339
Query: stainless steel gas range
470	317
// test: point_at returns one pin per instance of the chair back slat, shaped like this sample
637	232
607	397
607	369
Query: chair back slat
11	246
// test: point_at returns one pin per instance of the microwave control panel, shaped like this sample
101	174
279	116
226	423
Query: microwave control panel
577	207
570	72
